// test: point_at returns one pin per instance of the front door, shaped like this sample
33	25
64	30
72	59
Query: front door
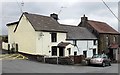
94	51
61	51
85	53
110	54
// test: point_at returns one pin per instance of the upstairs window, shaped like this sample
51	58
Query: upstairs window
114	39
53	37
107	40
74	42
94	42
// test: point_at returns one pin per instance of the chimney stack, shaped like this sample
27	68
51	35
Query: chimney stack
54	16
84	18
83	21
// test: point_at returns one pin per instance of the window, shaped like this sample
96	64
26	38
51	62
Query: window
94	42
107	41
114	39
118	51
54	51
74	42
75	53
53	37
69	51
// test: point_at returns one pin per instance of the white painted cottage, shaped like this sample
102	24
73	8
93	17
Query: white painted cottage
85	43
42	35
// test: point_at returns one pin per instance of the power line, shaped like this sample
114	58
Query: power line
111	10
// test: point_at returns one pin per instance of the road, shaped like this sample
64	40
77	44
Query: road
26	66
31	66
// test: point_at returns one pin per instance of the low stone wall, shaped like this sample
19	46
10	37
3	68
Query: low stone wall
51	60
65	61
77	59
61	60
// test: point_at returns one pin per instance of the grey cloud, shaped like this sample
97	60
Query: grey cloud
94	10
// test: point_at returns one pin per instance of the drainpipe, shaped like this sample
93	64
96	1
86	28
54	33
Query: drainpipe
87	48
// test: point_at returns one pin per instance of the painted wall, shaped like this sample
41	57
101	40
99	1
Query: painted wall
4	46
84	45
11	34
44	44
32	42
25	36
66	49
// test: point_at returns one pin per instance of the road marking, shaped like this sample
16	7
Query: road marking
12	57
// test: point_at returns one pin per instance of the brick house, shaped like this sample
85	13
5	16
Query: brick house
108	41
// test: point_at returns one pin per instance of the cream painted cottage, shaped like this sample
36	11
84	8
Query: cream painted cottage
42	35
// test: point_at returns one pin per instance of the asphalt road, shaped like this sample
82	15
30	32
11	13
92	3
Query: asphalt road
26	66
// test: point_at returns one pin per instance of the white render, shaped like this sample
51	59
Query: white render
84	45
39	43
11	34
32	42
44	44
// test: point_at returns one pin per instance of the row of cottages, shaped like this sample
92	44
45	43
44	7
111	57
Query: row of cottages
108	38
43	35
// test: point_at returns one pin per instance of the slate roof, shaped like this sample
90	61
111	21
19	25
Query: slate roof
102	27
63	44
9	24
43	23
78	33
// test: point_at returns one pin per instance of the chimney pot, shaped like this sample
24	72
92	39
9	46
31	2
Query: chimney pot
54	16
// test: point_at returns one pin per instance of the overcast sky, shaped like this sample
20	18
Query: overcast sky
71	13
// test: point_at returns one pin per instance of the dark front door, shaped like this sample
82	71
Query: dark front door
16	47
110	55
61	51
85	53
94	51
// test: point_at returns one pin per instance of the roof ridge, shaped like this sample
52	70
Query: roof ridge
36	14
103	24
97	21
70	25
